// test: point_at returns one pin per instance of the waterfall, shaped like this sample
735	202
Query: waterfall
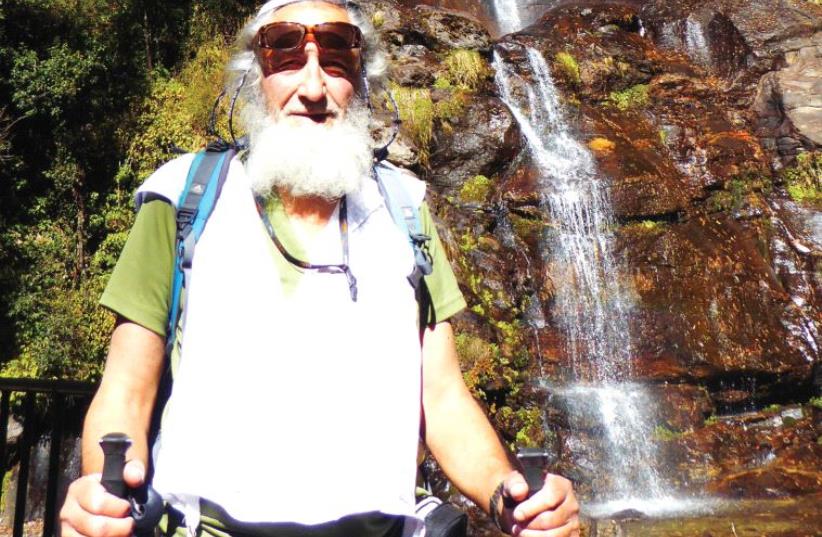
591	305
506	13
592	308
514	15
696	43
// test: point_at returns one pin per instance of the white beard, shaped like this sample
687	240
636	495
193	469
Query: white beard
308	159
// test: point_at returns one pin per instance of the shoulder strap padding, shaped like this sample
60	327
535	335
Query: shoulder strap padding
403	194
203	184
167	181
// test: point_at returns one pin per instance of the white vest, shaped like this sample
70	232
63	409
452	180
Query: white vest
302	406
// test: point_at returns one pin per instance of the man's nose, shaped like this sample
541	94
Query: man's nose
312	86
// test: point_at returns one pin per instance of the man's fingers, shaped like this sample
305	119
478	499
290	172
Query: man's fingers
90	511
569	529
92	498
102	526
516	487
550	520
556	491
134	473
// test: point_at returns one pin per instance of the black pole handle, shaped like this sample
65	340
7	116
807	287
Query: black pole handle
114	447
534	463
146	504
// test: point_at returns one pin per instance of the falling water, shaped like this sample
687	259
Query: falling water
507	15
592	308
696	42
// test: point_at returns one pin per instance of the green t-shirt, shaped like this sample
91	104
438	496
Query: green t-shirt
140	286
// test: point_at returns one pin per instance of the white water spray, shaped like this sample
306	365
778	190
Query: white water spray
696	43
591	307
506	13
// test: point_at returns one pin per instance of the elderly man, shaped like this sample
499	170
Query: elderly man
299	395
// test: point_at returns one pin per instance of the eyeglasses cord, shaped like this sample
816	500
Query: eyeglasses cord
342	268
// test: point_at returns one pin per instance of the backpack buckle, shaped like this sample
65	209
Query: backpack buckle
185	218
422	257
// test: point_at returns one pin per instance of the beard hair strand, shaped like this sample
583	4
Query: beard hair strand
307	159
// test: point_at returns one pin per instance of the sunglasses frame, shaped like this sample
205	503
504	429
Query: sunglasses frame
307	29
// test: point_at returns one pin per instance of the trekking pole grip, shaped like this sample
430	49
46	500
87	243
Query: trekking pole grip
114	447
534	462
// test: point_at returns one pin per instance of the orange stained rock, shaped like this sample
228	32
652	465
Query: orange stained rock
601	145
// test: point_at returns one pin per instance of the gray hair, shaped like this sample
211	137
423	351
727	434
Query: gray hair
244	75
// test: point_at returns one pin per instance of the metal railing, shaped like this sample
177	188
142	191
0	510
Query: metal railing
58	391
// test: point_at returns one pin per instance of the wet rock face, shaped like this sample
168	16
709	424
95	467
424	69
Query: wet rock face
479	142
710	306
731	36
452	31
689	109
742	41
788	103
770	453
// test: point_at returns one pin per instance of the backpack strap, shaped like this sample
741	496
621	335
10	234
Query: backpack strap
202	188
406	216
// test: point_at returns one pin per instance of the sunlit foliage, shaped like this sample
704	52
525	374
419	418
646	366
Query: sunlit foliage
94	93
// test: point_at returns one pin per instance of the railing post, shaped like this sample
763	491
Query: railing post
4	430
58	405
23	473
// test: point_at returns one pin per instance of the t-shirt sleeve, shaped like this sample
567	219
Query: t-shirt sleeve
140	284
446	298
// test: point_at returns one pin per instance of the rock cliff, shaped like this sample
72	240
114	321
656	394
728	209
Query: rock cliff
705	120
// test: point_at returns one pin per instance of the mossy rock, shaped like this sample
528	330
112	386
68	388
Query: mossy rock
476	189
634	97
568	65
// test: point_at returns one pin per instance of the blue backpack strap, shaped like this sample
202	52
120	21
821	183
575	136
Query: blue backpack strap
203	186
406	216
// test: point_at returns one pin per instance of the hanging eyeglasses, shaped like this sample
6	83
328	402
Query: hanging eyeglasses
341	268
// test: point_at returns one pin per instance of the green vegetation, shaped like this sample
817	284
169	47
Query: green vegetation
804	180
720	201
476	189
773	408
480	361
528	423
788	421
742	189
664	434
711	420
378	19
644	228
418	113
466	70
815	402
633	97
8	483
442	82
568	65
525	227
651	225
94	92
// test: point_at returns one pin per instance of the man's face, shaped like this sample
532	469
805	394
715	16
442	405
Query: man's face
305	94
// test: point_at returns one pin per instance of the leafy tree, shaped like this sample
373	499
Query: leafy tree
94	91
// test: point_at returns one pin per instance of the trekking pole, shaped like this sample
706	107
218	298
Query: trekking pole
534	463
146	503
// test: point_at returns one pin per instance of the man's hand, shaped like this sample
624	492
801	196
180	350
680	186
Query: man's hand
551	512
91	511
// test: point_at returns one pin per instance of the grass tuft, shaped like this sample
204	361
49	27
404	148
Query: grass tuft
633	97
569	65
466	69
